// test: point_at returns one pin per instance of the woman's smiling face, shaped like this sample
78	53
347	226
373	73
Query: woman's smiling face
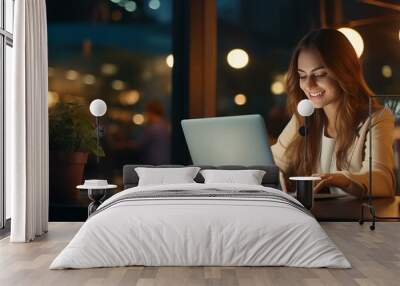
316	81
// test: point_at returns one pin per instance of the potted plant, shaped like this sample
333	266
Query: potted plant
71	138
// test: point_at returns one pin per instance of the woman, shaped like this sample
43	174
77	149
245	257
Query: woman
325	69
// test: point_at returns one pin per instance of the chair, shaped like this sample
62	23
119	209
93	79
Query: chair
391	102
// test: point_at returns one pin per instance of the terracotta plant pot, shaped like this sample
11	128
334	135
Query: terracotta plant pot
66	172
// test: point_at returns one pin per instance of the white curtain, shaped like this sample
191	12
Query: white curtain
27	124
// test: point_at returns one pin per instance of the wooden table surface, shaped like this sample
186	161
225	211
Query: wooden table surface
348	208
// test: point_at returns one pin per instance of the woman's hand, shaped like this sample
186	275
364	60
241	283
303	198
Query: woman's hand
285	183
331	180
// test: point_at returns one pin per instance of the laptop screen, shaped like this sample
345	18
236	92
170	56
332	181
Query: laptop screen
232	140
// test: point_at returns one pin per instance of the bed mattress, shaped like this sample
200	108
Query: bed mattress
201	225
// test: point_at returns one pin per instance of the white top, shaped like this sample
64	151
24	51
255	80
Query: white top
328	160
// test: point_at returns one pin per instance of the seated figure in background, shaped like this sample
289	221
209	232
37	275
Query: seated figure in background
325	69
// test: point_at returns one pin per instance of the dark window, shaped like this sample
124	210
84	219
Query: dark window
121	52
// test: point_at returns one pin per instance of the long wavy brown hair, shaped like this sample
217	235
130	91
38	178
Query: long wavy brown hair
340	58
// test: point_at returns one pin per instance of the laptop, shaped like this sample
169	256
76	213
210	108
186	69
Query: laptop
231	140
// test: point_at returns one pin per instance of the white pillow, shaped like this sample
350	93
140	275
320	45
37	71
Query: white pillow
248	177
164	176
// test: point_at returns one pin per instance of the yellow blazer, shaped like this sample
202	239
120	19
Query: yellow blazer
383	176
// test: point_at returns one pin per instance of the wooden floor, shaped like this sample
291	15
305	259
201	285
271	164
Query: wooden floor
375	257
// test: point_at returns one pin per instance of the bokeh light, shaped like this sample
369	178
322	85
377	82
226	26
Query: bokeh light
281	77
154	4
52	99
130	6
240	99
386	71
277	87
355	39
170	60
89	79
138	119
109	69
71	75
238	58
118	85
129	98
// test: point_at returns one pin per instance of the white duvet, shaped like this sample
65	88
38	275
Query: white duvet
200	231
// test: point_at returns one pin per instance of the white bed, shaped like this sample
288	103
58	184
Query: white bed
206	230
